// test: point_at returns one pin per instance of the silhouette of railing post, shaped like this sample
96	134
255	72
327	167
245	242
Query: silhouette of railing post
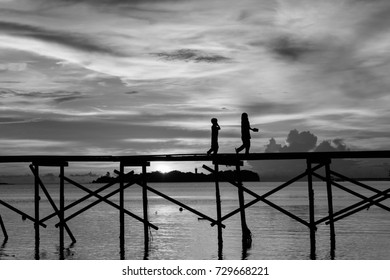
4	230
330	209
312	224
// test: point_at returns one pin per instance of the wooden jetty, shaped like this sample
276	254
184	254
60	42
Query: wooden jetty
314	162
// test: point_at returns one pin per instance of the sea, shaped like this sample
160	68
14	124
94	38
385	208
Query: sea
182	235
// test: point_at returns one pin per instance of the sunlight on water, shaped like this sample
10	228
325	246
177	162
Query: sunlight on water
182	235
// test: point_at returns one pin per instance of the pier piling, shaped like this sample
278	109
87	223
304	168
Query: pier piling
3	230
330	210
312	226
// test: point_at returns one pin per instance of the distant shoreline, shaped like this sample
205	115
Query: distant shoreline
181	177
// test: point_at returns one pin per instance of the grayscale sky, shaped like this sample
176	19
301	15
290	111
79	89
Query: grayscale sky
128	77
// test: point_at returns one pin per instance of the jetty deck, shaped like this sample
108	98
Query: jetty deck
314	162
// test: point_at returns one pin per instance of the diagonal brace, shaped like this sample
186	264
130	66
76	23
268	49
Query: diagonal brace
113	182
282	186
102	198
370	200
352	192
360	208
179	203
263	199
24	215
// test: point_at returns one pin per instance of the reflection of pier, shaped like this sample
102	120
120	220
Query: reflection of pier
124	179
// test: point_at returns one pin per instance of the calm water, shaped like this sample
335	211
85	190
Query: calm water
181	235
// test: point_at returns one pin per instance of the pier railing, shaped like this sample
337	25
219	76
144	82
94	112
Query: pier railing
314	162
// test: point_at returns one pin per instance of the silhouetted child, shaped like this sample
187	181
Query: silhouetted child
245	134
214	137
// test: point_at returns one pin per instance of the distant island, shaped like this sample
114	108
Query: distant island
178	176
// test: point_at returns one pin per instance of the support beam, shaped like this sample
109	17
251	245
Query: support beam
356	210
47	194
282	186
219	212
121	213
3	229
246	233
261	198
311	212
103	198
21	213
330	211
373	200
62	212
89	195
196	212
145	210
37	198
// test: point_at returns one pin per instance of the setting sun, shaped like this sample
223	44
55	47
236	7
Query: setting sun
162	167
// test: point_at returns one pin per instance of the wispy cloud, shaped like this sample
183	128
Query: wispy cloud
192	55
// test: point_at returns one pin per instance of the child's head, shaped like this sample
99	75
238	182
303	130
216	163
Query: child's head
214	121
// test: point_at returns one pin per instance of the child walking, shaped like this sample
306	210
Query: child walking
214	137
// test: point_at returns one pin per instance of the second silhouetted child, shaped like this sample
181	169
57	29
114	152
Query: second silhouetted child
214	137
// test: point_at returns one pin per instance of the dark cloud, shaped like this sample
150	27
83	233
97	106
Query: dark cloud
131	92
305	141
272	147
290	48
191	55
297	141
332	146
73	40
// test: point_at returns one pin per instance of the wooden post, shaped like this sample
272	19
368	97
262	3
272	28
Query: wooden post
36	212
219	211
145	210
330	210
121	213
3	229
246	233
53	205
62	211
312	224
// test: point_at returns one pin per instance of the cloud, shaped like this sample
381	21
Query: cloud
188	55
332	146
272	147
13	67
305	141
69	39
131	92
58	96
300	141
290	48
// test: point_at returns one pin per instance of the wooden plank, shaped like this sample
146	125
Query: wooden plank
313	156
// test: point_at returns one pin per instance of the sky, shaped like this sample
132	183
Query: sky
126	77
